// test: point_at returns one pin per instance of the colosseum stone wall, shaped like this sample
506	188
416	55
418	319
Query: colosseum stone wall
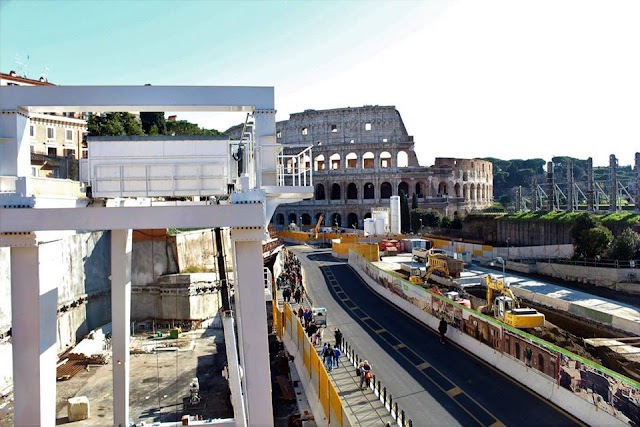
362	156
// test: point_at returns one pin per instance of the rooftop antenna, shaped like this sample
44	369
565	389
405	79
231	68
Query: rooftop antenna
23	65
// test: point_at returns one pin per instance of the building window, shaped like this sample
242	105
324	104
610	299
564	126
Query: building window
69	153
32	131
334	128
305	131
279	134
52	151
34	171
51	133
68	135
367	126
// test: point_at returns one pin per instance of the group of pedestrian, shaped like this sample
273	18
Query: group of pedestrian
330	356
364	371
290	280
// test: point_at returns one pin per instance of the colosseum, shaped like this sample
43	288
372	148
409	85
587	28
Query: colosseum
361	157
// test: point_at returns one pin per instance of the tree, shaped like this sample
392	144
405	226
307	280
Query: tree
626	246
150	119
114	124
445	222
414	201
404	212
183	127
577	231
599	239
456	224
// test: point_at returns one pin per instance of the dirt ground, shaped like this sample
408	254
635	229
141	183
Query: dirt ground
159	383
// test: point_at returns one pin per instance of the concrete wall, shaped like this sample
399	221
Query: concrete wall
196	250
541	384
151	259
599	276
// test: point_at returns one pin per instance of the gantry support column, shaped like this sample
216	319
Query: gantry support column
120	321
252	323
33	335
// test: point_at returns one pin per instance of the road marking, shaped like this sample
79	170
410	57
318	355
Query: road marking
497	424
423	365
456	391
365	318
399	346
379	331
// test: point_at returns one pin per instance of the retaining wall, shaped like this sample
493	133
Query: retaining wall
571	385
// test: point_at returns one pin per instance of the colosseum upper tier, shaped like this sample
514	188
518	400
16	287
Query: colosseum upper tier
364	155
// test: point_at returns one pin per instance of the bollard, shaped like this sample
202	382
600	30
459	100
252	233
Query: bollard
390	403
395	410
402	417
410	424
384	395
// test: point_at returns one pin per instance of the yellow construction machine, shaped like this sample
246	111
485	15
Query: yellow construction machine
505	306
316	229
443	264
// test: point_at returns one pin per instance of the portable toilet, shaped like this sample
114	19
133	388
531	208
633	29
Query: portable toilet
319	315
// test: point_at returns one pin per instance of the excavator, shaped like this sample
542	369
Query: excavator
316	229
505	306
440	262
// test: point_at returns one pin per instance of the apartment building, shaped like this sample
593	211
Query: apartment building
57	140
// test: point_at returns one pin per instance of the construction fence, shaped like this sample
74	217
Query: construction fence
284	321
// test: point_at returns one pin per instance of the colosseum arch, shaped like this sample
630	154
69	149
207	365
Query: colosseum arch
402	159
279	219
306	219
420	189
443	189
385	160
472	192
293	218
465	176
465	191
335	161
456	189
352	219
367	215
403	186
318	163
336	219
352	191
318	217
307	162
351	161
385	190
320	195
369	191
336	192
368	160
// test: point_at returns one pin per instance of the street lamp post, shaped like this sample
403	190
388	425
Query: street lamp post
420	226
508	249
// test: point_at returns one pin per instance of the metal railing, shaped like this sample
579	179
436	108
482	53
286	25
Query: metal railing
378	389
295	169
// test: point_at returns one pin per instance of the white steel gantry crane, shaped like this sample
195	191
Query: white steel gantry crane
126	169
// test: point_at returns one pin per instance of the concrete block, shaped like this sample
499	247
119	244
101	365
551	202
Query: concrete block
78	408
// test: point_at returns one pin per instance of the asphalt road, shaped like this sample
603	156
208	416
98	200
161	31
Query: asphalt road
435	384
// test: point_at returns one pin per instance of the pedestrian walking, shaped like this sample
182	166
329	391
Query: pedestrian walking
337	334
296	295
365	374
286	294
336	356
323	354
328	357
320	335
442	328
307	317
300	313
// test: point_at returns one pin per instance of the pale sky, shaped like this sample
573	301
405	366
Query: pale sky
506	79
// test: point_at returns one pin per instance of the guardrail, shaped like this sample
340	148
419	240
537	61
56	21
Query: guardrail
378	389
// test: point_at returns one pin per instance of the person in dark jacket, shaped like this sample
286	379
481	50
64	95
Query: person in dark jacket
442	328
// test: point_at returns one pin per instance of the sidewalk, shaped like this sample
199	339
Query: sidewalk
362	407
